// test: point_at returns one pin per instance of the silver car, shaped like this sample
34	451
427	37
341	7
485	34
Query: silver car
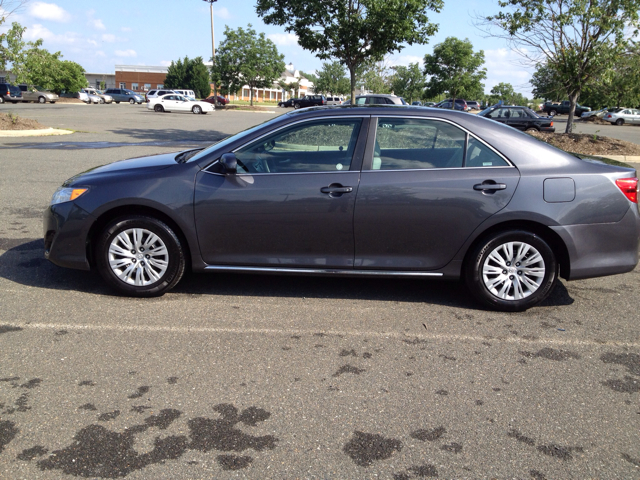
625	115
97	96
37	94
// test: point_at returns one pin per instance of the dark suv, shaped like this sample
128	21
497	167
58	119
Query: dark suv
10	93
310	101
522	118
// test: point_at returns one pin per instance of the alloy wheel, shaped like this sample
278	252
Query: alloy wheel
138	257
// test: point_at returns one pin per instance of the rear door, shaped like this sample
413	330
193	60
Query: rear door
426	185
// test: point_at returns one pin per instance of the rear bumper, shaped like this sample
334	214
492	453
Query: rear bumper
601	249
65	228
548	129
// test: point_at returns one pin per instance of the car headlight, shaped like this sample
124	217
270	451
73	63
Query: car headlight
63	194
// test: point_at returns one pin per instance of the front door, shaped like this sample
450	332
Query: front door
291	202
428	186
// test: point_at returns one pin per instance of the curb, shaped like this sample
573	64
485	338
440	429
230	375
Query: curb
623	158
34	133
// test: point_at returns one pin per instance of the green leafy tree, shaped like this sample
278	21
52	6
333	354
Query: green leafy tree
505	92
455	69
352	31
375	77
177	74
247	58
547	83
71	78
332	79
198	78
578	39
11	45
408	82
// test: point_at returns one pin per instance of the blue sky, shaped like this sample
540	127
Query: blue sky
99	37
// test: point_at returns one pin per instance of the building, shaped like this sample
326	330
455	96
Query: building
139	78
96	80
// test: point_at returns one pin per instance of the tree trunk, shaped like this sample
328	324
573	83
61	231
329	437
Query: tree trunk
453	102
352	73
250	95
573	100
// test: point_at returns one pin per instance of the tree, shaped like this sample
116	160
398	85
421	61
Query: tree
578	39
408	82
198	78
455	69
332	79
11	44
352	31
505	92
546	83
375	77
177	74
247	58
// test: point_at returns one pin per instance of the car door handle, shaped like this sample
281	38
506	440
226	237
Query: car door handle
336	190
484	186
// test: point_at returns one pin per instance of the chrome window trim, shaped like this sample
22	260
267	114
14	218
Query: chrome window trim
328	271
468	132
439	169
280	173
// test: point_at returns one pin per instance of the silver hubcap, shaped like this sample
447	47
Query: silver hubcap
138	257
513	271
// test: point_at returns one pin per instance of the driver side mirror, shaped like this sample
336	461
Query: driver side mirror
229	162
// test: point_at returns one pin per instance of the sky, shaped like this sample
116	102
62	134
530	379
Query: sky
98	37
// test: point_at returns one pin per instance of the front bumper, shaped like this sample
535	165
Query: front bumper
65	229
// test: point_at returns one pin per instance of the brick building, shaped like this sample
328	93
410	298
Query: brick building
139	78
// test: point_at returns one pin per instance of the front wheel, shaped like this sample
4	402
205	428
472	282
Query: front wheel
101	100
1	99
511	271
132	101
620	122
553	113
296	106
532	129
42	100
140	256
197	109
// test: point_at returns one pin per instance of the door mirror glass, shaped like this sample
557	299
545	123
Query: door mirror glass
229	162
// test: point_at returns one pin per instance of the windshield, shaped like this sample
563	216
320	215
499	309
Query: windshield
230	139
485	111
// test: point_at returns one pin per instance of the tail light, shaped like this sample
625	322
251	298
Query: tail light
629	187
552	124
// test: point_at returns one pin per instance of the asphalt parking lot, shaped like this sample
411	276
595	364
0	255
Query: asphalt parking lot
247	376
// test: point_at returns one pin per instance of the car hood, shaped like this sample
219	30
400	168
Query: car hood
150	163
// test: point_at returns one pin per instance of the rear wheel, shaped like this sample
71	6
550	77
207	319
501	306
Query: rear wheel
158	108
532	129
619	122
511	271
197	109
140	256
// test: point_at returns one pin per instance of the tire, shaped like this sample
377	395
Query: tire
130	273
53	102
158	108
620	122
1	99
101	101
42	100
132	101
118	103
532	129
296	106
553	113
197	109
493	264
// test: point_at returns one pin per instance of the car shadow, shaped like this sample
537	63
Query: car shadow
23	263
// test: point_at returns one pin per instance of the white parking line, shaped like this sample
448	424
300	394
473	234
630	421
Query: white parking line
352	333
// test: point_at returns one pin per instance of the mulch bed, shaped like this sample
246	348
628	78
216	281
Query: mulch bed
587	144
10	121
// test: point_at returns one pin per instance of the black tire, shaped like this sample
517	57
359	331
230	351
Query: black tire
553	113
197	109
101	100
42	100
174	256
53	102
118	103
158	108
296	106
620	122
478	259
132	101
1	99
532	129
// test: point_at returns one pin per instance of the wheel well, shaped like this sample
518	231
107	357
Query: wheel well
109	215
552	238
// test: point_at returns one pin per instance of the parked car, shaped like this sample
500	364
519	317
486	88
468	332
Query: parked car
334	101
156	93
377	99
10	93
310	101
417	103
177	103
366	191
287	103
83	96
102	97
624	115
460	104
124	95
428	104
33	93
186	93
90	97
473	105
596	113
522	118
564	107
216	101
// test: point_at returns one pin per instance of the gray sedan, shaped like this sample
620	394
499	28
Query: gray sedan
624	115
355	191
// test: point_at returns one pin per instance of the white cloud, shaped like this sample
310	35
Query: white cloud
405	60
221	12
505	65
37	31
165	63
125	29
97	24
48	11
125	53
108	37
283	39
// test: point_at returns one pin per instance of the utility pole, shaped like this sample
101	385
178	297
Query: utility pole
213	48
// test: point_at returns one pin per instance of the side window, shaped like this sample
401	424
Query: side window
361	100
318	146
479	155
408	143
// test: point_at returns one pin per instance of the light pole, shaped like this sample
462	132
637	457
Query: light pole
213	49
